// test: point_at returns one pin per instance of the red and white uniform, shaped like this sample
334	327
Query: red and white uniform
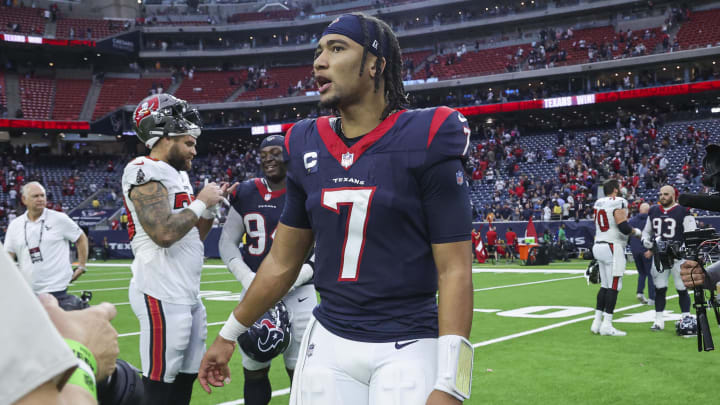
170	274
610	243
165	287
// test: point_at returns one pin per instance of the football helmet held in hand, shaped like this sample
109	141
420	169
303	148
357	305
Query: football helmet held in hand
592	274
269	336
164	115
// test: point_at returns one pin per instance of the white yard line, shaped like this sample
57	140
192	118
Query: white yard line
529	283
125	288
127	279
553	326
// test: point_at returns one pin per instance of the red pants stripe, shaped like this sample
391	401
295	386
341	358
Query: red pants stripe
157	338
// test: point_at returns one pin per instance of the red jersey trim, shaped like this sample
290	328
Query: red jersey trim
263	190
337	147
441	114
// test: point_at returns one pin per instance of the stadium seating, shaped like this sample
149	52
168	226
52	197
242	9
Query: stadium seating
483	62
117	92
281	78
701	30
99	28
276	15
70	96
29	20
210	87
36	97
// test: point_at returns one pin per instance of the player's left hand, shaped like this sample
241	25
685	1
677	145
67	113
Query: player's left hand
214	369
438	397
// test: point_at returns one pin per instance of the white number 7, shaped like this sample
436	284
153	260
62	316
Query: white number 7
359	200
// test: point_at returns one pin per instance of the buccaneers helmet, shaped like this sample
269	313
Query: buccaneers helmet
164	115
269	336
686	326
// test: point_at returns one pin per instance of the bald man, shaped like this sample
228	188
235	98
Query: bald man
39	241
641	262
667	221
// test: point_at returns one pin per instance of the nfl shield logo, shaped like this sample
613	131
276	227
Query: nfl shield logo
267	197
459	177
347	160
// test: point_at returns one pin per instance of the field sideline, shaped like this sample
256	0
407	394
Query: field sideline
530	329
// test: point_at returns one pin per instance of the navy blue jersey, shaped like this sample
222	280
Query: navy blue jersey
668	224
260	209
375	208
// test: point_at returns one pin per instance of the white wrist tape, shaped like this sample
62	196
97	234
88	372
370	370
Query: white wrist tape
636	232
197	207
455	364
232	329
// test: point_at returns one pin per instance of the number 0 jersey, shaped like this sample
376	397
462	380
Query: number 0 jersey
606	230
260	210
169	274
375	208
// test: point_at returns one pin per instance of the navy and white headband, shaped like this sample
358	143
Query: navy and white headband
350	26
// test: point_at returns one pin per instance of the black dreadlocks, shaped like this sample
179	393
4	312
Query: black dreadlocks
394	88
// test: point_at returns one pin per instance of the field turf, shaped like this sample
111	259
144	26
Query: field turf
531	330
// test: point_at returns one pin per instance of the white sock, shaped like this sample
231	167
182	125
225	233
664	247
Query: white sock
659	317
684	314
598	315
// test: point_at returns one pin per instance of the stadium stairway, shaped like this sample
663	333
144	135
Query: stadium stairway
50	28
173	87
90	101
12	93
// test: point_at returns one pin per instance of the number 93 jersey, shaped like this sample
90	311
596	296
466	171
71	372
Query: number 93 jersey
375	208
606	230
671	223
169	274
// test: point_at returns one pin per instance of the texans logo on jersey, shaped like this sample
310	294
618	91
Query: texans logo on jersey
271	336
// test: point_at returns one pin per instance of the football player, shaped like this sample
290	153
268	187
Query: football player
667	221
381	191
166	226
256	207
611	236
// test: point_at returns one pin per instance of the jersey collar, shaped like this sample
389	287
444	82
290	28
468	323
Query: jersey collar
265	193
665	211
347	156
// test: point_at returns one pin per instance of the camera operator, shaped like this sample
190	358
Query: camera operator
38	240
37	366
667	222
692	275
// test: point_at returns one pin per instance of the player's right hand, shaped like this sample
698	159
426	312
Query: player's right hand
213	193
691	274
91	327
214	368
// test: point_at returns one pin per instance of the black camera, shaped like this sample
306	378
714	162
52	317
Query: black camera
665	252
124	386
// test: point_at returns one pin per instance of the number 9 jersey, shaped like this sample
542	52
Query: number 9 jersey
606	230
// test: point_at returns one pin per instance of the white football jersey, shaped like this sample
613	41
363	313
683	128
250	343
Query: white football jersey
606	229
169	274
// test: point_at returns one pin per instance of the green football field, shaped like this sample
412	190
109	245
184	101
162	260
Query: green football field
531	330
